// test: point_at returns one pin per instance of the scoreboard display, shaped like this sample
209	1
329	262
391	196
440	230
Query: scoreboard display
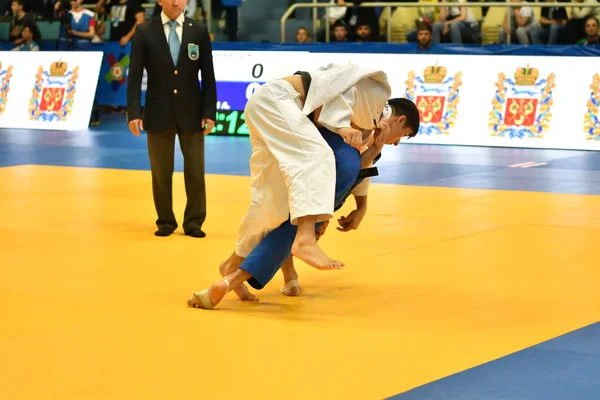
239	74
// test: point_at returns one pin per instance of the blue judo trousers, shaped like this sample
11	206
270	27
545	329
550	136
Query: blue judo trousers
266	258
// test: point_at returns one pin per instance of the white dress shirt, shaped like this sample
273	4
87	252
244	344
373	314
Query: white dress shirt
167	27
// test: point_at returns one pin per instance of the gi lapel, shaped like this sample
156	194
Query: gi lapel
159	34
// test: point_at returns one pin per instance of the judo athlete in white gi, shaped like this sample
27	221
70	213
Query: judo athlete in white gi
266	258
292	167
359	192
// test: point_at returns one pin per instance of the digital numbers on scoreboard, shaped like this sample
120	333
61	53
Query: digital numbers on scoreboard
230	122
239	74
232	99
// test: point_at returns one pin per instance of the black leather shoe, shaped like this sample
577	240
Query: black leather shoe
196	232
163	232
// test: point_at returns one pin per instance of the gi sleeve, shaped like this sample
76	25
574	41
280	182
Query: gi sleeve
337	113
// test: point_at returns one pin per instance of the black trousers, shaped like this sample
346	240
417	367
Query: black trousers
161	149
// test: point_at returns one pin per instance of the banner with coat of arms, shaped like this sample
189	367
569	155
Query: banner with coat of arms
535	101
5	75
522	106
53	93
436	96
591	123
48	90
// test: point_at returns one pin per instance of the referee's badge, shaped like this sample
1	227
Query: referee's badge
193	51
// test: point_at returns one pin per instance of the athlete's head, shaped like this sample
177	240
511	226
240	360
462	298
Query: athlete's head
403	117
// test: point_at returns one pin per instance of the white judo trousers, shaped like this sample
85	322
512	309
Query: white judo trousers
292	168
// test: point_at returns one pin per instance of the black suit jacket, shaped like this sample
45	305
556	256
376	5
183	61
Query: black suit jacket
174	97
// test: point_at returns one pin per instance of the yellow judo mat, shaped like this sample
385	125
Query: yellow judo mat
437	280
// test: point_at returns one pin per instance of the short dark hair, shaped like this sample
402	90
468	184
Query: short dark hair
339	24
35	32
594	18
405	107
422	26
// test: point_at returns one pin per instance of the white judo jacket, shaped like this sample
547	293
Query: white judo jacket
348	93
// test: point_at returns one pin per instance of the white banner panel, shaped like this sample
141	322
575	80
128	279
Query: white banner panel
253	66
512	101
48	90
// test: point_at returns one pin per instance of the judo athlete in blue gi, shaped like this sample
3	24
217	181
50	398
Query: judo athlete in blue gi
400	118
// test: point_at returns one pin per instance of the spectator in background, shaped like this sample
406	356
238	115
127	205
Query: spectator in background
303	35
83	24
552	25
340	33
27	43
579	15
333	15
424	39
591	32
522	23
124	16
20	19
427	15
456	21
364	15
363	33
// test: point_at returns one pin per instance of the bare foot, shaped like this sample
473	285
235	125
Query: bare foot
310	253
242	290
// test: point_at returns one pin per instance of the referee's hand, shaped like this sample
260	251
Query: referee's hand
208	125
136	126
